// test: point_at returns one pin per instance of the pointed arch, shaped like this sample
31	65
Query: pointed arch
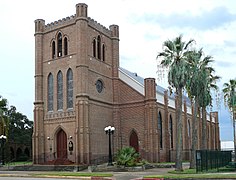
27	152
99	47
94	47
65	46
69	88
103	52
59	44
189	128
133	140
159	123
19	153
53	49
59	91
171	132
50	92
61	141
12	153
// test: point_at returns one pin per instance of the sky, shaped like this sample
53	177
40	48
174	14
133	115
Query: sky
143	25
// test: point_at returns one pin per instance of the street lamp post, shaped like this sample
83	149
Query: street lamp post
3	139
109	130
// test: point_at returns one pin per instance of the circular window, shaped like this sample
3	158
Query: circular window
99	86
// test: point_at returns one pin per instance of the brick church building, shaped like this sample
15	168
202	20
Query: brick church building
80	89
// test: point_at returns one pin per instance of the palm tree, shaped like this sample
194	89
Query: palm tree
229	91
193	88
174	56
196	86
208	80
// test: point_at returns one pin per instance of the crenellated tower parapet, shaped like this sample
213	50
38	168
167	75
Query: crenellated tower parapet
94	24
114	31
39	25
81	10
61	22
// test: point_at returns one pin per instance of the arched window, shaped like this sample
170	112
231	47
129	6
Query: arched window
171	132
189	129
69	83
59	45
65	46
94	48
103	52
159	123
59	91
99	47
50	92
53	50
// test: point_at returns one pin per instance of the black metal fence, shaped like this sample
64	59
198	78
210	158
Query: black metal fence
211	159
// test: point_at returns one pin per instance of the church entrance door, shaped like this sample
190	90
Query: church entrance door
133	141
61	145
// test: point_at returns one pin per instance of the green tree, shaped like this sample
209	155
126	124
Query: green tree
229	91
4	121
196	86
205	98
21	128
175	58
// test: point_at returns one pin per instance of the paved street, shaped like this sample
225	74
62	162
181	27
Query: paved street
27	178
26	175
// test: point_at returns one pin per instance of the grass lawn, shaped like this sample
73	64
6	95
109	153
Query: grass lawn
222	173
72	174
19	163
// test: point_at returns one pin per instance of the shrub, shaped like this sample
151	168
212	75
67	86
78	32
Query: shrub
127	156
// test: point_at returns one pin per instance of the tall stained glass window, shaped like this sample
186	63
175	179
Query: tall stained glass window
50	92
159	123
69	89
171	132
59	91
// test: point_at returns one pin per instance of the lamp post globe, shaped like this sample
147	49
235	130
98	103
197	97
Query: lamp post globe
109	130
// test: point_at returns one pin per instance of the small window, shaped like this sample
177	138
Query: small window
94	48
103	52
99	47
65	46
53	50
59	45
99	86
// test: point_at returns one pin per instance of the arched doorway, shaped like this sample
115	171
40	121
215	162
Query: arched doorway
61	145
133	140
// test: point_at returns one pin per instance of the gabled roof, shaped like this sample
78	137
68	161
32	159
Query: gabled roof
159	89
